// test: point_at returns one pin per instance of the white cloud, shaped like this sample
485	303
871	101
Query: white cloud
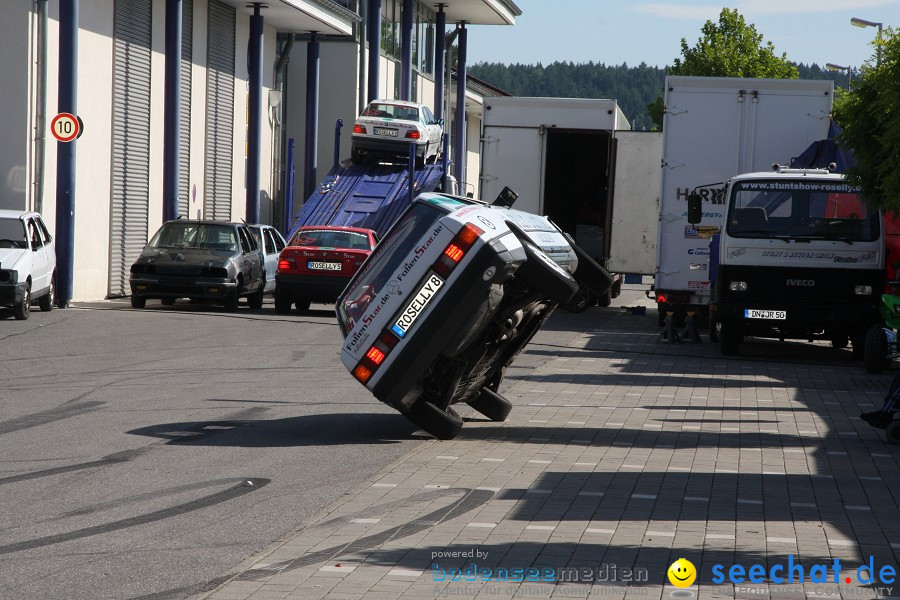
757	8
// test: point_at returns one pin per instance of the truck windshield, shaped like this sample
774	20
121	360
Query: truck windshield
413	228
800	209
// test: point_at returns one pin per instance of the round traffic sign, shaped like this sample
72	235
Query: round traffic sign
65	127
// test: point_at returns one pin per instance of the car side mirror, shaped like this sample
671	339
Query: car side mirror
439	122
695	208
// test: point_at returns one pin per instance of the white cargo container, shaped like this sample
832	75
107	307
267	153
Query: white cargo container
716	128
576	161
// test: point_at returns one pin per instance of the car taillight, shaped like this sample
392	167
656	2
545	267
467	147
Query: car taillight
413	135
456	250
285	264
374	357
359	128
661	298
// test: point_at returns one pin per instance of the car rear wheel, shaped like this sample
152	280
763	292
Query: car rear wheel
302	305
442	424
49	299
282	303
167	301
23	309
256	300
542	274
138	302
491	404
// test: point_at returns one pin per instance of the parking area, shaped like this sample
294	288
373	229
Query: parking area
182	451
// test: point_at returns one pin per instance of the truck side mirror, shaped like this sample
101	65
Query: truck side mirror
506	198
695	208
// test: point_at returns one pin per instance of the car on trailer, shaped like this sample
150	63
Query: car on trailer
386	128
446	302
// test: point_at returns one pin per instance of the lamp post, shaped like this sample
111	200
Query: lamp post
857	22
834	67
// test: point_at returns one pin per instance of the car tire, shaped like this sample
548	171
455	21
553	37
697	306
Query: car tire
892	431
875	354
256	299
491	404
605	299
442	424
49	299
302	305
282	303
542	274
138	302
730	336
355	157
22	310
232	299
167	301
580	302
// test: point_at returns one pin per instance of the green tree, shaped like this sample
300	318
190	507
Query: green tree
870	116
729	48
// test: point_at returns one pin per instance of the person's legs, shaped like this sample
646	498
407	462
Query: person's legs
881	418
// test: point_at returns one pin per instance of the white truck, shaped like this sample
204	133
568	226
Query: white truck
577	162
715	128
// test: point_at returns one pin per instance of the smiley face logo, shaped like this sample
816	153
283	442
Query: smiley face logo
682	573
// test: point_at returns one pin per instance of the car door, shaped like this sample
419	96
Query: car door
40	266
252	260
274	244
431	126
49	245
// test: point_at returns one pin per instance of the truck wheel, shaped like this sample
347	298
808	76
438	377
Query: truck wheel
875	353
542	274
444	425
491	404
730	336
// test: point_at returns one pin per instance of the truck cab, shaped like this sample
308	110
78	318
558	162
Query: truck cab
800	256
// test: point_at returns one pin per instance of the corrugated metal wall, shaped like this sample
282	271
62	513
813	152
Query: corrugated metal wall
130	139
219	112
184	141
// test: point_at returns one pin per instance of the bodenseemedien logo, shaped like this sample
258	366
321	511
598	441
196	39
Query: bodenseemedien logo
682	573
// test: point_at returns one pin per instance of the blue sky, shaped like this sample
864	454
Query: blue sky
617	31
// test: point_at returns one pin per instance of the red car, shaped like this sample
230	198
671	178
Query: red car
318	263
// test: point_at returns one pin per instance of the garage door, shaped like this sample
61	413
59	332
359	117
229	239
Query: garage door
184	140
130	139
219	112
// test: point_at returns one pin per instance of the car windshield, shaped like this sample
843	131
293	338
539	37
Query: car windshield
12	234
385	110
203	236
808	209
414	227
331	238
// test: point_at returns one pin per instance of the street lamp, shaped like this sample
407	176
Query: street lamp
857	22
834	67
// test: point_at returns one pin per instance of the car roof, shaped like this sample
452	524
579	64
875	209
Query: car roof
398	103
17	214
336	228
205	222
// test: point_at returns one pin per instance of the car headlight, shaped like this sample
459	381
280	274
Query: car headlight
9	276
738	286
863	290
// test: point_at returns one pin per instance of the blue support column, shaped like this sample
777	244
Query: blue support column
254	125
65	153
459	136
439	51
312	116
172	110
406	34
289	189
374	34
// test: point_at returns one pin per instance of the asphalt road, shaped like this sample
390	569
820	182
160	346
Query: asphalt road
148	454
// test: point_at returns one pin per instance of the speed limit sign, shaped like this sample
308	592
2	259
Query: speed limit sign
66	127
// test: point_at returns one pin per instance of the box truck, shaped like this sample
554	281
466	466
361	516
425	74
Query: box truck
713	129
577	162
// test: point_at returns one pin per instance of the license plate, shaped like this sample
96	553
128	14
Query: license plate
323	266
755	313
412	311
383	131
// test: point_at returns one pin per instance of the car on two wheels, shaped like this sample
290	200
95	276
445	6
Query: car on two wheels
446	302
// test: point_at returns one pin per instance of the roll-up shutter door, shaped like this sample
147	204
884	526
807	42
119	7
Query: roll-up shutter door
130	139
184	141
219	112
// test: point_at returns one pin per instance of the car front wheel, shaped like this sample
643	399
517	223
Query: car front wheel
444	425
138	302
23	309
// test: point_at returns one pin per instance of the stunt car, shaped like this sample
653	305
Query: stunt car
446	302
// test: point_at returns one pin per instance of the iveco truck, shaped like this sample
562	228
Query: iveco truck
800	256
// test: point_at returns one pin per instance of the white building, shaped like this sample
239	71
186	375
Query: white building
124	177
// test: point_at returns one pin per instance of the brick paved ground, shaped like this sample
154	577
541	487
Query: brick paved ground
622	454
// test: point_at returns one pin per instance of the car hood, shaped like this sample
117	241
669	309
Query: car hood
186	259
9	257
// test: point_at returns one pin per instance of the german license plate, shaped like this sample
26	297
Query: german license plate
323	266
383	131
412	311
755	313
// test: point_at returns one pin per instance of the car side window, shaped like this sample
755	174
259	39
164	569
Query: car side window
245	240
269	242
279	242
429	118
35	235
44	233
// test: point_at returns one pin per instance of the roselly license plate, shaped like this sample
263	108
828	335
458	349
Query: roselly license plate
417	305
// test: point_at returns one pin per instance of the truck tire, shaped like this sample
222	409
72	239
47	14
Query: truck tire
444	425
542	274
875	354
730	336
491	404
